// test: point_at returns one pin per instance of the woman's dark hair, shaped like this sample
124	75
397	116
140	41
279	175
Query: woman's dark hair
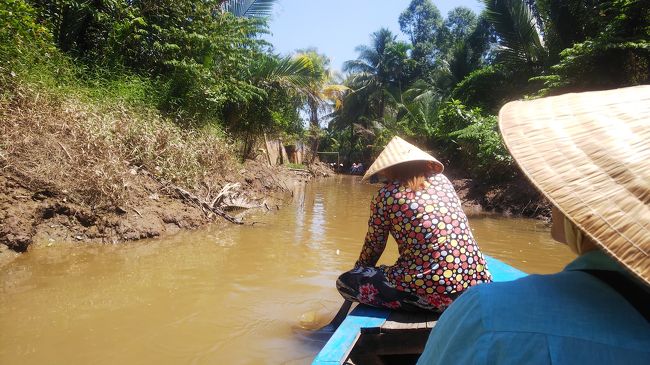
413	173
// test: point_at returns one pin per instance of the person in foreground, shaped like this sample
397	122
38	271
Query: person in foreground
438	256
589	153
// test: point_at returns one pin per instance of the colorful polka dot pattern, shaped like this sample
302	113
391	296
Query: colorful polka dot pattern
438	254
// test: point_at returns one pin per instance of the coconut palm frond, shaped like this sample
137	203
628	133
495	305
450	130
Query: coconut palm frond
520	40
335	93
335	89
357	66
249	8
286	71
420	91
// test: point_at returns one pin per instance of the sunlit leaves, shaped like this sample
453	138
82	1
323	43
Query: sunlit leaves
249	8
520	41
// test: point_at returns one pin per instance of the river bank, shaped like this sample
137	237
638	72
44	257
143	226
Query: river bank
41	216
80	170
30	215
515	198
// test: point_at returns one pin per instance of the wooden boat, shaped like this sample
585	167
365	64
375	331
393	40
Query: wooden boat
371	335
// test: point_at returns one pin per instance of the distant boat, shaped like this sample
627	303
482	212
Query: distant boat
370	335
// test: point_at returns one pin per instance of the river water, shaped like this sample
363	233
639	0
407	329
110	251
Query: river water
233	295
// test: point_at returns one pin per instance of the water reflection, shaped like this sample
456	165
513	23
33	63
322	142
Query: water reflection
224	295
523	243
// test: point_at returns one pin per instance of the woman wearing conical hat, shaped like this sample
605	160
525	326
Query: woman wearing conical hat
589	153
418	206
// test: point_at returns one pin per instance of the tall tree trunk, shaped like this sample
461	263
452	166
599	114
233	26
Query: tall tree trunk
247	148
382	106
314	128
352	143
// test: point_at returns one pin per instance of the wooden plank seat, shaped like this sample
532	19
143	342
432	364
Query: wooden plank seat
399	321
400	339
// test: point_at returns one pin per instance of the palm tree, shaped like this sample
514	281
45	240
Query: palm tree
248	8
285	72
380	68
320	75
270	75
320	94
418	109
521	45
376	79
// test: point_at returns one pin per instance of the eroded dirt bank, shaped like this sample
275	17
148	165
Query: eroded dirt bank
517	198
29	215
83	170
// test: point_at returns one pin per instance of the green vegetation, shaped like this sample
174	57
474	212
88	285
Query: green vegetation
178	87
203	64
444	87
90	91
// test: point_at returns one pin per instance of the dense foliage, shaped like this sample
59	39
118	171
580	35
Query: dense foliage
204	65
444	87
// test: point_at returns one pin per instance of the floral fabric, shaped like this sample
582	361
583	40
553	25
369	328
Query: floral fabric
368	285
438	253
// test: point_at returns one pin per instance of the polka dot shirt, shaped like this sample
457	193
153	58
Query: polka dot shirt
438	253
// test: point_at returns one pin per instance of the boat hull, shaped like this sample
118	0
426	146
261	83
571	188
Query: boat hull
371	335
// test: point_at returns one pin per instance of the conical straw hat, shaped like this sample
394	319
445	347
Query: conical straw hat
396	152
589	153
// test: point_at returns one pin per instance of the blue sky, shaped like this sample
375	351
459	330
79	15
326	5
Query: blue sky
336	27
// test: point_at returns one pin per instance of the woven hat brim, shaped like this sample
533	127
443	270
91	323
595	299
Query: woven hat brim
398	151
589	153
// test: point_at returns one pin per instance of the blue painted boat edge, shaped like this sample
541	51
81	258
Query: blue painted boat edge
337	349
501	271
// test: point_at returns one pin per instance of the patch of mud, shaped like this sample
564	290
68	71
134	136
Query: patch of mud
42	216
514	198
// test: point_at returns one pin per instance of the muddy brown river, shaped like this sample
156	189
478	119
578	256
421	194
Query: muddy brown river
233	295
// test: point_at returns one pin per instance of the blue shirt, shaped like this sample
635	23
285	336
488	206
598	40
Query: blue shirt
565	318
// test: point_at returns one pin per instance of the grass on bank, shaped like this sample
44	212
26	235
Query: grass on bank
84	133
297	166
